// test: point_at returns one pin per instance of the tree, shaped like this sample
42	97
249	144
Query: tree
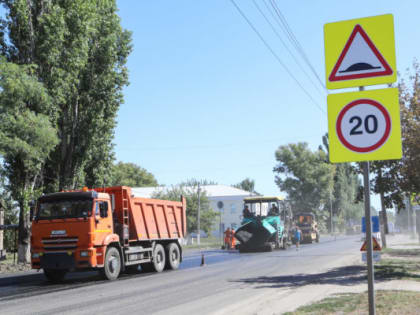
247	184
11	213
410	127
397	179
27	136
190	191
80	50
344	191
130	174
304	176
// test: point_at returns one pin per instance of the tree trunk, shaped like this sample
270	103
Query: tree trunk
383	218
383	225
24	233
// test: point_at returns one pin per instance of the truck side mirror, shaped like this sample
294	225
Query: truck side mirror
103	209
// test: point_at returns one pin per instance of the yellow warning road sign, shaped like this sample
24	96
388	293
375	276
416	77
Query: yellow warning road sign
375	244
360	52
364	126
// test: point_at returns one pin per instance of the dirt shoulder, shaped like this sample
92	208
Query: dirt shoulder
9	266
341	277
398	270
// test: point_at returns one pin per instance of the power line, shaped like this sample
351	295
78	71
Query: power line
276	56
254	142
286	28
284	44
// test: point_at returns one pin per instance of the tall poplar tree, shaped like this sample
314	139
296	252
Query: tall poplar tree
27	136
80	50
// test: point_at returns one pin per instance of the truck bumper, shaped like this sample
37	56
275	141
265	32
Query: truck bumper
65	260
57	261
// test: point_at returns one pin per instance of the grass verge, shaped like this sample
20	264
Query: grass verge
10	266
386	302
205	243
399	264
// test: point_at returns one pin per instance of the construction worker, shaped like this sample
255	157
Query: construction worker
247	213
232	239
298	235
227	238
274	210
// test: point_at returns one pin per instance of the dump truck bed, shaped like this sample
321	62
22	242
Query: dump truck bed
148	219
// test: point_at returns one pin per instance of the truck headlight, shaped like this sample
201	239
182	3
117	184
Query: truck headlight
84	253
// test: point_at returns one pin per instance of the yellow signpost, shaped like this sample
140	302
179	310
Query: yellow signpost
364	126
360	52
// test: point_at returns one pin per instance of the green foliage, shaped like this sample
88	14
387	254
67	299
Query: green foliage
304	176
410	127
27	135
345	206
130	174
247	184
190	191
396	179
80	50
11	214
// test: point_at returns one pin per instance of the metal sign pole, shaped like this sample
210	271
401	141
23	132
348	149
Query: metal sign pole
368	220
371	289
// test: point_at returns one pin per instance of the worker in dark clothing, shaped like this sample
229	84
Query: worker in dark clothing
274	210
247	213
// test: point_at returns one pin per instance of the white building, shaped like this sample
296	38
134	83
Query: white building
226	200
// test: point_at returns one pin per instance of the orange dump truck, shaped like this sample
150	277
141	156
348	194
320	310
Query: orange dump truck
106	229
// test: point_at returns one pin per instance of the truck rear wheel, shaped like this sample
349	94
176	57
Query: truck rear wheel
158	258
55	276
112	266
173	256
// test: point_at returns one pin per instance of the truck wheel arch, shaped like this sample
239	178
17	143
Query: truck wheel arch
112	238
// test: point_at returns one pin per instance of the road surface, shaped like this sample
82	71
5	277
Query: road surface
228	282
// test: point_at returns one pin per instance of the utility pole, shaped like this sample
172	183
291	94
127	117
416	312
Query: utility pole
198	216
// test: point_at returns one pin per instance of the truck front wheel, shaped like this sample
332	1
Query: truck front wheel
55	276
173	258
112	265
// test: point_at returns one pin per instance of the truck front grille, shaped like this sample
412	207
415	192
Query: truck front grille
59	244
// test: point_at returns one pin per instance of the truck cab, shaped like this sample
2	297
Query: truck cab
70	230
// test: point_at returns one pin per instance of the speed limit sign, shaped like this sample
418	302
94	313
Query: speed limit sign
364	126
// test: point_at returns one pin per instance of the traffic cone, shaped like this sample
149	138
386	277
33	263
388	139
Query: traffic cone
202	260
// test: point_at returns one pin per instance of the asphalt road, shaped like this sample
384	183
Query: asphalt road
228	279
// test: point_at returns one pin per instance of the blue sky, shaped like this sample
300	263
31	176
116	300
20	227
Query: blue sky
207	99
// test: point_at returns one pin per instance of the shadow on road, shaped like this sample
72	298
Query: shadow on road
346	276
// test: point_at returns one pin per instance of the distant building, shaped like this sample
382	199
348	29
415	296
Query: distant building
226	200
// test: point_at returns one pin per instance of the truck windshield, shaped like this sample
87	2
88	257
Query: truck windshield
305	219
264	208
58	209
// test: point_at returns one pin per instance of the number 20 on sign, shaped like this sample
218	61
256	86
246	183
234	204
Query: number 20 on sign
364	126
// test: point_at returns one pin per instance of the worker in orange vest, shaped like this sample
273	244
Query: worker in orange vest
227	238
232	239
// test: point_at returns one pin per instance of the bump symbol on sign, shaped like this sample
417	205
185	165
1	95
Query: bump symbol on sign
359	59
363	125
